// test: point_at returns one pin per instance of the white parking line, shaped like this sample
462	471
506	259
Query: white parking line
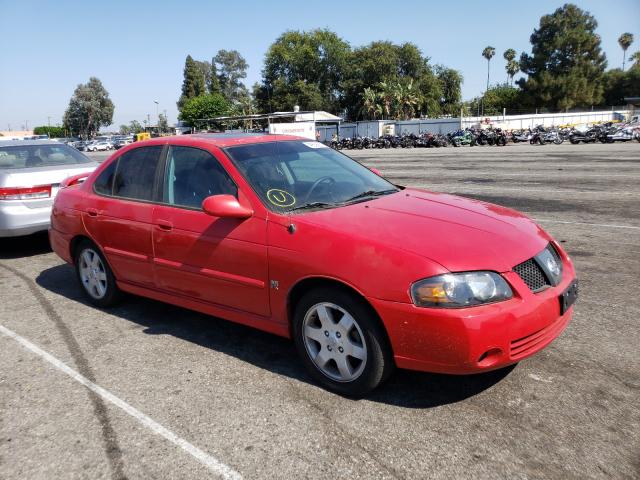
204	458
607	225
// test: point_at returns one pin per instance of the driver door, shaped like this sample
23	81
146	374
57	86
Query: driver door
222	261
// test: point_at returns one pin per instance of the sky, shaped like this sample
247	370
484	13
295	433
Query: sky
137	49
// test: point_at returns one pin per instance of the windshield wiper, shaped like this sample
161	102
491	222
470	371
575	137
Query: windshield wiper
308	206
371	193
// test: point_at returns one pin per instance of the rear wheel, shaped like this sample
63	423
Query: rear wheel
341	343
95	276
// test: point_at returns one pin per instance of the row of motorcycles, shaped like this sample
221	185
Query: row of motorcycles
605	133
410	140
470	137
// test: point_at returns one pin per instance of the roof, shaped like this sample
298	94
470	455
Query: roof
24	143
221	140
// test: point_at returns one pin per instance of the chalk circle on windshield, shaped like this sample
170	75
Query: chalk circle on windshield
280	198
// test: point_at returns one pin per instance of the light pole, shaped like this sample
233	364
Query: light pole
157	115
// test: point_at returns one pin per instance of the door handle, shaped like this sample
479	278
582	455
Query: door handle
92	212
165	225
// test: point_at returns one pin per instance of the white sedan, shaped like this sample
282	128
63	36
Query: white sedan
30	176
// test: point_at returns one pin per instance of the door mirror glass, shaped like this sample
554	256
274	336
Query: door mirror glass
225	206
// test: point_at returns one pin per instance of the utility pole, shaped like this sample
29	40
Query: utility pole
157	114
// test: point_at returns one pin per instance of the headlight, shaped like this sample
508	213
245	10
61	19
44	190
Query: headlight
460	290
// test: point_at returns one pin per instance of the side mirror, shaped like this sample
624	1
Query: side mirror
225	206
376	171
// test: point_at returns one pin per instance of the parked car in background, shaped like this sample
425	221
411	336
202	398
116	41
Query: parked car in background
118	144
292	237
99	146
30	176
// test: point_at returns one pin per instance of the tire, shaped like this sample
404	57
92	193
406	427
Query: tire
95	276
329	323
558	141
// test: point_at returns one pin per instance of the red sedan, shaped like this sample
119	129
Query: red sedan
289	236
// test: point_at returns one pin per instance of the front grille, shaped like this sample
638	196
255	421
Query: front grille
531	274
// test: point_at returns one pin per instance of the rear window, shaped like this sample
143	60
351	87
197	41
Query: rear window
34	156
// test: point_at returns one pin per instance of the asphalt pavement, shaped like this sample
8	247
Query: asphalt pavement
202	398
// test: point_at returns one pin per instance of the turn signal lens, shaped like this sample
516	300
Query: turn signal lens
25	193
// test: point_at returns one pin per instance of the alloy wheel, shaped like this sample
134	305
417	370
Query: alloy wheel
335	342
92	273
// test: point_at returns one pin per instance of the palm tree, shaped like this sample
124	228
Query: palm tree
370	106
488	53
510	56
635	58
513	67
406	98
386	95
625	41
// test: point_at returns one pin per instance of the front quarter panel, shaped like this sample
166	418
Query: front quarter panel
374	270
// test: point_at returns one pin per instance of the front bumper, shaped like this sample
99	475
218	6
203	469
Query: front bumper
476	339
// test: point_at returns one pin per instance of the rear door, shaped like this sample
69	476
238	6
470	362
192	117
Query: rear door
120	219
222	261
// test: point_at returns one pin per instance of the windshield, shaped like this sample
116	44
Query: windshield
32	156
296	175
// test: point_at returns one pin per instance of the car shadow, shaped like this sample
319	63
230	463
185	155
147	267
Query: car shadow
26	246
270	352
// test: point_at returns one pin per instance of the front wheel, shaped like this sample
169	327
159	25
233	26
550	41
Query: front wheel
95	276
341	342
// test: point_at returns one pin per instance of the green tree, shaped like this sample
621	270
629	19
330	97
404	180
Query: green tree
231	68
53	132
305	69
124	129
163	125
371	107
450	86
566	65
636	60
512	67
89	109
387	63
135	127
620	84
197	110
497	98
194	80
488	54
625	41
213	85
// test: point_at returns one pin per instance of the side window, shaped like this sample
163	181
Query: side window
104	183
193	175
136	173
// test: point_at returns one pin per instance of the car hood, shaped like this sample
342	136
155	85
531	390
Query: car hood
459	233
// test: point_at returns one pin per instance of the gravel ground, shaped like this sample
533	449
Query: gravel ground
242	397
